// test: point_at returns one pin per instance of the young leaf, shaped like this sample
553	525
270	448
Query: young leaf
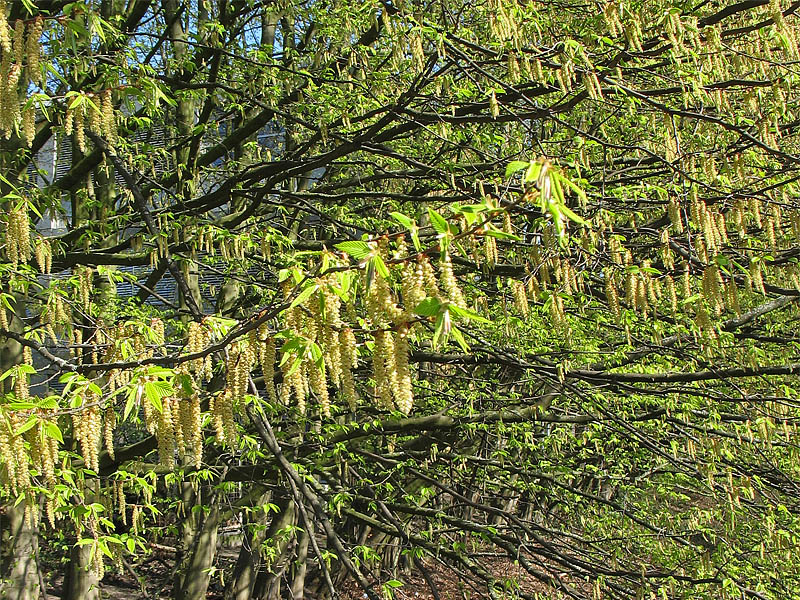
404	220
514	166
380	266
358	250
438	221
51	430
428	307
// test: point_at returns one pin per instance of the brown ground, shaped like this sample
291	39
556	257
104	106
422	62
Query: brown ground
156	570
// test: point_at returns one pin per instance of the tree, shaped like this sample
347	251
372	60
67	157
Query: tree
413	285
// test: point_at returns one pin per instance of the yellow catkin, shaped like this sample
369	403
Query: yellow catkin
5	30
412	288
18	42
120	500
28	126
109	423
266	357
18	236
666	252
612	297
329	340
107	120
195	435
33	49
431	285
673	294
319	385
165	434
79	128
756	277
520	297
404	394
383	368
449	283
732	293
349	362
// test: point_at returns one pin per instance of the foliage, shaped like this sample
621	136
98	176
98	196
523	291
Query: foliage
410	282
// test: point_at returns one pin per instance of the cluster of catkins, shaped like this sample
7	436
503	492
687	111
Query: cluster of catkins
329	354
57	315
87	427
178	428
18	236
95	112
19	69
41	452
713	226
393	324
44	254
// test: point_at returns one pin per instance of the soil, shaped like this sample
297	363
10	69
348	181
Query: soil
156	570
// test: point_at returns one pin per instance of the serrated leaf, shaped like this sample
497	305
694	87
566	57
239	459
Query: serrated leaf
380	266
514	166
428	307
153	395
358	250
438	221
31	422
48	403
303	296
465	313
52	431
404	220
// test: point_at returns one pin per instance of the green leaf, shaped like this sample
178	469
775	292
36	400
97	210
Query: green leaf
566	211
21	405
32	420
295	365
459	338
465	313
438	221
380	266
358	250
52	431
514	166
442	329
501	235
129	405
428	307
532	174
404	220
48	403
153	395
304	295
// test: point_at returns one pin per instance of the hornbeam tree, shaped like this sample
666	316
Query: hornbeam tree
504	289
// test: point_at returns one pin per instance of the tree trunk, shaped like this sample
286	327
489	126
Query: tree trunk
248	562
21	581
80	581
20	540
198	548
301	566
267	585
